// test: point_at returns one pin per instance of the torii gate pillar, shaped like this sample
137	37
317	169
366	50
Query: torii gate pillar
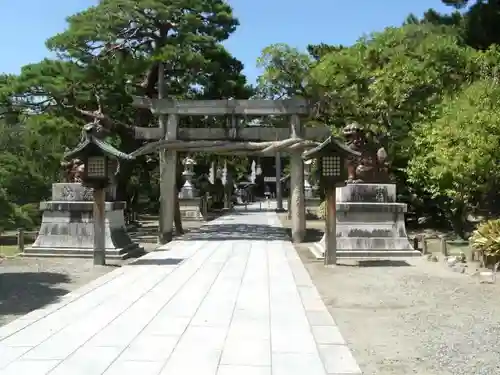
168	168
279	190
168	189
297	201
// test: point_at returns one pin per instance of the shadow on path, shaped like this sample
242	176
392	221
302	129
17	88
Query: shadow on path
22	292
157	262
373	263
384	263
232	232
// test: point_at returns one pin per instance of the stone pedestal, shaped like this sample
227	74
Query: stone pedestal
187	191
67	228
191	209
370	224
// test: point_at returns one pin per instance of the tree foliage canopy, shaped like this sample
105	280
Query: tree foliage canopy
457	154
428	87
108	53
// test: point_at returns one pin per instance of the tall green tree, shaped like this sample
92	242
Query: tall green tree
478	21
393	79
111	51
455	158
285	71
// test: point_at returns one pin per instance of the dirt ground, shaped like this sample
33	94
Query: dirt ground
410	316
27	284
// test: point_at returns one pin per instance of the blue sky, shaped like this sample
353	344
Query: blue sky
26	24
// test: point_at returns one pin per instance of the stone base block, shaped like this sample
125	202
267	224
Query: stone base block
67	230
318	250
367	193
131	251
370	224
191	209
76	192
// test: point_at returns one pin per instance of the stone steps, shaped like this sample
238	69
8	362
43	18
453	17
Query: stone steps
318	251
116	254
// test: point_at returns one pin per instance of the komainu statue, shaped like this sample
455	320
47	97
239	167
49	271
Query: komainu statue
73	169
372	166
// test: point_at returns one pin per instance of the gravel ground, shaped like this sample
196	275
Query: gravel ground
27	284
421	318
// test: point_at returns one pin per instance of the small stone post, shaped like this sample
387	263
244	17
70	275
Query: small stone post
415	242
424	245
444	247
20	240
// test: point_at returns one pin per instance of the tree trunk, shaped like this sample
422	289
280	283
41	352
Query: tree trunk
122	192
128	144
458	218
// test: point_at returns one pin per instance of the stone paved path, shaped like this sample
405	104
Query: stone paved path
232	298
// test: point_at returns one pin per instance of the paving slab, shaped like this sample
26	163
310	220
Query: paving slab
230	298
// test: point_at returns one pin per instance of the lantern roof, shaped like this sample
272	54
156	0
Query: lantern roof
330	145
90	143
188	161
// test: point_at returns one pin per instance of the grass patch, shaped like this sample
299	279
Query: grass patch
314	227
8	250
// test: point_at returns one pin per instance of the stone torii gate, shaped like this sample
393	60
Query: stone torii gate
169	138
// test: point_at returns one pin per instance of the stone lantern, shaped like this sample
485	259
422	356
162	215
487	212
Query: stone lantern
331	156
100	160
370	224
78	221
188	191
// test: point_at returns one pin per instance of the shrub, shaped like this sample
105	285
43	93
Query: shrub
31	215
13	216
7	212
486	238
322	210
